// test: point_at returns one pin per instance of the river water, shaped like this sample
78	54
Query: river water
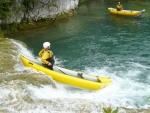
97	43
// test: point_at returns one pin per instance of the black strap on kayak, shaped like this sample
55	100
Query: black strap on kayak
60	70
80	75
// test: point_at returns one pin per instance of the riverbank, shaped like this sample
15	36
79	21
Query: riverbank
32	25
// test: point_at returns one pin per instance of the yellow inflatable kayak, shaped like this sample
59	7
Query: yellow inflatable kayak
126	12
69	77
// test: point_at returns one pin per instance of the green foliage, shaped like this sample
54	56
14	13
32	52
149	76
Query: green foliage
6	4
109	110
21	9
4	8
81	1
31	1
9	8
4	1
29	4
1	34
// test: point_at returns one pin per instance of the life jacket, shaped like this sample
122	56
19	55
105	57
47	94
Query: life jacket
46	56
51	56
119	7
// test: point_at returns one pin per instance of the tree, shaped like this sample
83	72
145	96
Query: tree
4	11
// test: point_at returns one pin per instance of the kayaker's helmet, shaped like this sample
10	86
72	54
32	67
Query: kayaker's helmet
46	44
118	3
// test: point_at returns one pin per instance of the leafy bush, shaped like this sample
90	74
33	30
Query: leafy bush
1	34
109	110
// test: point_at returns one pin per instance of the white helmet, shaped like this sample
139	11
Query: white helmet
46	44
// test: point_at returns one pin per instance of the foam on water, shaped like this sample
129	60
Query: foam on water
123	92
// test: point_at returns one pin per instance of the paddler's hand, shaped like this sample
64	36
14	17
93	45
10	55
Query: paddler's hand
49	64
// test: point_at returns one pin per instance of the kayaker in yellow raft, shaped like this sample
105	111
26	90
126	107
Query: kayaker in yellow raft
119	7
47	56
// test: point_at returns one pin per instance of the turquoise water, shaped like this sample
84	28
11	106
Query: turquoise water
99	43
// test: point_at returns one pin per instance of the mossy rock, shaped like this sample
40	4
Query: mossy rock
26	25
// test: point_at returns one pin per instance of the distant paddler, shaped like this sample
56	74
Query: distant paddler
119	7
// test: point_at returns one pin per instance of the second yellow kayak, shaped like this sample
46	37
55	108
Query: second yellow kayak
126	12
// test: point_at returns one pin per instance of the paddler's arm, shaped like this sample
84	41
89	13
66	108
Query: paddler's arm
40	53
44	57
